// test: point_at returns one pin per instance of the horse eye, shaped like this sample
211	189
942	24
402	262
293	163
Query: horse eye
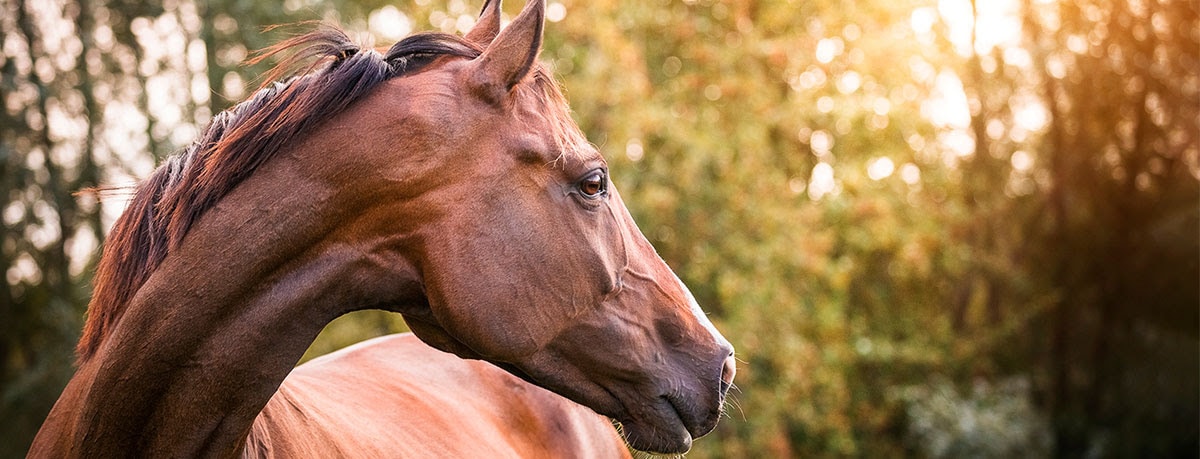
594	185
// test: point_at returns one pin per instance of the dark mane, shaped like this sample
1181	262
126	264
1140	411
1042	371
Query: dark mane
235	143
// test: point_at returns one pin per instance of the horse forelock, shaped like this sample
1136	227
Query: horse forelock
234	144
569	141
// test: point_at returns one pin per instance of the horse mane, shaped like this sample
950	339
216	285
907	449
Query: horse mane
234	144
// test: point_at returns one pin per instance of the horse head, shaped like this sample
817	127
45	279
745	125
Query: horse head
527	255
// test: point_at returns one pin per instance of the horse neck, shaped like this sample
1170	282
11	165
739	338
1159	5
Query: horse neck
208	339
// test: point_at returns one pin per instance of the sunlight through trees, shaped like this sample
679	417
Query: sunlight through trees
930	227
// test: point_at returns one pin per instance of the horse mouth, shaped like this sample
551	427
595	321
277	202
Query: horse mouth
666	424
664	432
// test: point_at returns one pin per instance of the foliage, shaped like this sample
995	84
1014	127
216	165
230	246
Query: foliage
862	194
992	421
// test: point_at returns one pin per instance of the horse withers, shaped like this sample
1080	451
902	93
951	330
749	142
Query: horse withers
444	180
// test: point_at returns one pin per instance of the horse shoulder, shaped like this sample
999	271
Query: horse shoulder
397	397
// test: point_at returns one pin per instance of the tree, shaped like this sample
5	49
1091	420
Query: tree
1120	166
47	131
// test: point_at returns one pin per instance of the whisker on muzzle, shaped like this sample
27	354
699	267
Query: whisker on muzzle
734	402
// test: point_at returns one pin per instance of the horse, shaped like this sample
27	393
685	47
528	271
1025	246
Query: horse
444	180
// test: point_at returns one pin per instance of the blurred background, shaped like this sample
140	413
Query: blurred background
936	228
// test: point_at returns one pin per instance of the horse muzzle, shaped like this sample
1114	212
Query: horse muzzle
668	423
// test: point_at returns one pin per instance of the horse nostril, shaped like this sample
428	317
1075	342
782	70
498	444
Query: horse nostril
727	373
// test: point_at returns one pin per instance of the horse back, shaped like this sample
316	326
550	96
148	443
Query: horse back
394	396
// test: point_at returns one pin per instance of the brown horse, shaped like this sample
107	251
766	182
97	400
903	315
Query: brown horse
444	180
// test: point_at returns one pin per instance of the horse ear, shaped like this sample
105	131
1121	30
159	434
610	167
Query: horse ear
512	54
489	24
